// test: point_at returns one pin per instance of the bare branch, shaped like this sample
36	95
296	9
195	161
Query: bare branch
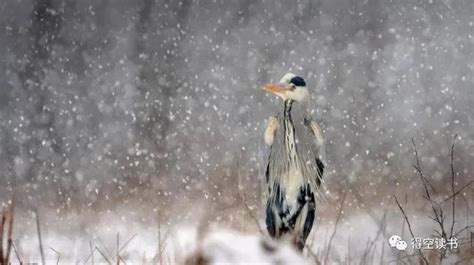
409	228
435	206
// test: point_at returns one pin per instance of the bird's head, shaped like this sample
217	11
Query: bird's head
290	87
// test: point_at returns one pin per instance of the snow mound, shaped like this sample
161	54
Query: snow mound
231	247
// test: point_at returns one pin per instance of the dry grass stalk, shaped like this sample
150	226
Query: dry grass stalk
348	250
117	249
91	252
105	248
328	248
103	255
40	241
371	244
158	258
403	228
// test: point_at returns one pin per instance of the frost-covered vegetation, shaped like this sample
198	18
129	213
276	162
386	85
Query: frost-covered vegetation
132	117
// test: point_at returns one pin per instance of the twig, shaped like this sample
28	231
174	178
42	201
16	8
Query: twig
244	199
10	231
419	169
92	252
101	253
452	187
117	249
2	225
409	228
160	243
403	227
158	258
105	247
57	253
335	228
38	230
315	257
372	242
382	253
372	214
126	243
402	258
436	208
463	229
348	250
373	255
16	253
457	192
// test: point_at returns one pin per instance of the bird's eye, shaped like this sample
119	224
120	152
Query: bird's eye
292	87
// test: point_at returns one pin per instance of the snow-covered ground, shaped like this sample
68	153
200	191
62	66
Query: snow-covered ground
356	236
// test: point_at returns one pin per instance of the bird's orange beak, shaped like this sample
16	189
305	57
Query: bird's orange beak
274	87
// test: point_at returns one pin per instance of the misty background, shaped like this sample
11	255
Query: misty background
106	102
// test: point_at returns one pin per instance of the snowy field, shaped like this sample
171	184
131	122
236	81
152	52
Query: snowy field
361	236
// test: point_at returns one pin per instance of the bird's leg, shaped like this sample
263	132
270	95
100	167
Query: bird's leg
302	221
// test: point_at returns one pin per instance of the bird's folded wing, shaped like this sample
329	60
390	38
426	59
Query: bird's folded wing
313	152
265	145
316	130
270	130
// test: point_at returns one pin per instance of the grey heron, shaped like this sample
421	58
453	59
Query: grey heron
294	169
